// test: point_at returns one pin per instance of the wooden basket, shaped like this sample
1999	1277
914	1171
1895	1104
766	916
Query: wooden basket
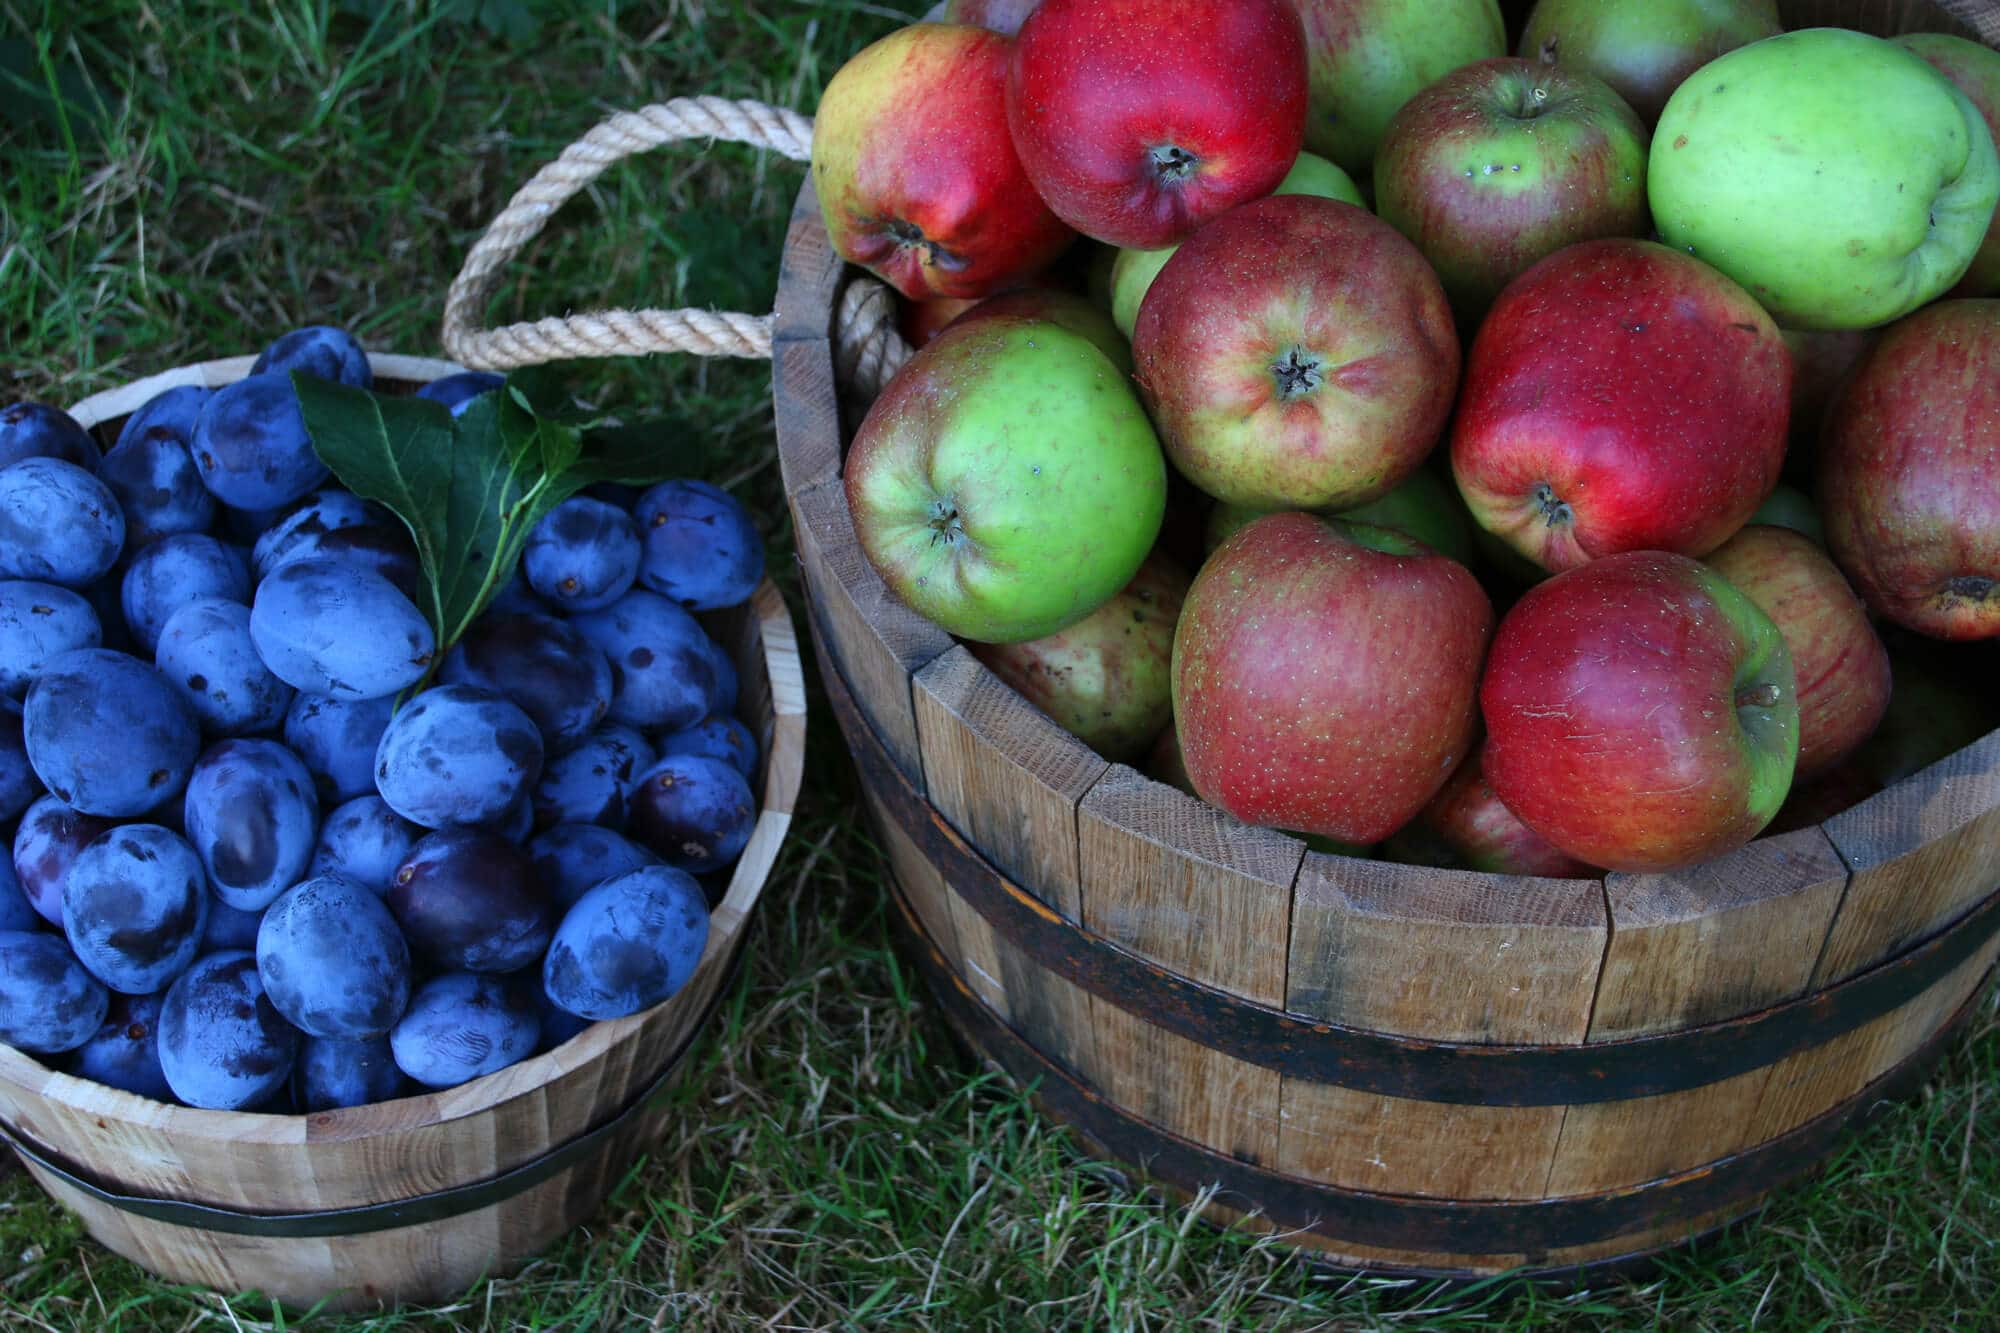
1403	1069
414	1199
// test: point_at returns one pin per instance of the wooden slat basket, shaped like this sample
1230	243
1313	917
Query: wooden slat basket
1402	1069
411	1200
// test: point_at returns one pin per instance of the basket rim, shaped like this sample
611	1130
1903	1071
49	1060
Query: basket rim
784	770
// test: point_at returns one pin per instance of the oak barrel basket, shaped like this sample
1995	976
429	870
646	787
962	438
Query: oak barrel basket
411	1200
1403	1070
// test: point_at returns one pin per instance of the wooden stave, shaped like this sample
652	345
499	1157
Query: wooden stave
237	1160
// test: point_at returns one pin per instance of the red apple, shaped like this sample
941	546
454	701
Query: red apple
1975	69
1296	353
1842	667
1504	161
1106	678
921	321
1910	472
1467	826
1165	764
1000	15
1620	396
1644	48
1641	713
936	203
1138	120
1325	674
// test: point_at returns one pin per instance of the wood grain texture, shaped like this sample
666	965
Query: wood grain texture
415	1145
1449	955
1186	886
877	641
1009	780
807	411
1921	852
809	274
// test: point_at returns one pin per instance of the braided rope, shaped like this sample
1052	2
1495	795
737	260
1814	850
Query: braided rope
867	344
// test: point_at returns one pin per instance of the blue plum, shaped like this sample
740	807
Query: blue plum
379	548
333	960
546	668
627	944
58	523
701	549
583	555
37	430
723	698
324	511
718	737
253	818
516	597
16	912
135	903
206	652
321	350
19	787
48	838
153	478
455	755
250	444
591	783
223	1045
572	859
48	1002
39	621
470	901
174	571
107	733
169	414
365	841
124	1052
558	1023
333	628
461	1026
457	391
696	812
229	928
661	674
337	738
331	1073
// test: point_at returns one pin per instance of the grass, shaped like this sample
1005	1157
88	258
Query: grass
835	1160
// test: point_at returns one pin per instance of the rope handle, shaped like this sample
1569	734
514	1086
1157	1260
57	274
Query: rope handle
867	347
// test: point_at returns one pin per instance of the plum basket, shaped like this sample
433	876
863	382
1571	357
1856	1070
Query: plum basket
413	1199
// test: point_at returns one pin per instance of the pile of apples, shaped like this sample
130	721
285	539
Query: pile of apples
1495	566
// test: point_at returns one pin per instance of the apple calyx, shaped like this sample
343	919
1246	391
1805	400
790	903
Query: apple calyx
1297	374
1553	509
1970	588
947	525
1171	163
909	236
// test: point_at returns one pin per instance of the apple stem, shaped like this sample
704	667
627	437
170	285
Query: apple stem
1765	695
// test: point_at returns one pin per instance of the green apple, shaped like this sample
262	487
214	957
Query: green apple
1425	507
1644	48
1365	58
1006	483
1836	176
1789	507
1134	270
1975	69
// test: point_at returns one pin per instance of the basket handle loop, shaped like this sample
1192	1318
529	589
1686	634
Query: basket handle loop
867	347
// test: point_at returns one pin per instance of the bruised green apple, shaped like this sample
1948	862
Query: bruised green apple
1106	679
1836	176
1006	483
1133	271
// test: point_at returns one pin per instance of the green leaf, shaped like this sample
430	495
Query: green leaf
643	453
398	451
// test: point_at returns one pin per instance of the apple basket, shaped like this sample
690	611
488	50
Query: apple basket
1400	1069
412	1199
